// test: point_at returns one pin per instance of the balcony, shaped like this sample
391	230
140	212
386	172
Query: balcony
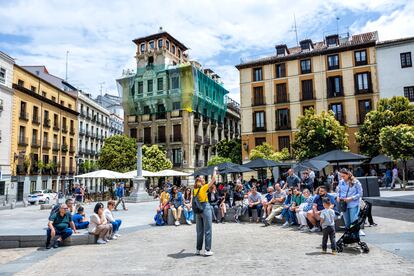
63	170
34	169
161	116
281	98
21	169
283	126
307	96
88	116
64	147
334	94
23	141
160	139
55	147
258	129
176	138
65	129
71	170
258	102
199	163
56	127
220	126
87	133
82	114
35	144
24	116
46	145
36	120
46	122
198	139
71	149
206	140
82	132
72	131
176	114
147	140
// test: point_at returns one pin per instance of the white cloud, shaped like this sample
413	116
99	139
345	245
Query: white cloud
98	34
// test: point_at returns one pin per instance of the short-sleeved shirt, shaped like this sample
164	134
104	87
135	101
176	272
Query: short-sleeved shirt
281	194
165	197
293	180
202	195
298	199
318	200
255	198
328	216
77	218
61	223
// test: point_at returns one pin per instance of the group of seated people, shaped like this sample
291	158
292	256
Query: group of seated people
64	221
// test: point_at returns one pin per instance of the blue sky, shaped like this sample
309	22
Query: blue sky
98	34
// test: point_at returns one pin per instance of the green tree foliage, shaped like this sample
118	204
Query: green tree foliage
154	159
318	133
266	151
398	142
390	112
215	160
231	149
118	154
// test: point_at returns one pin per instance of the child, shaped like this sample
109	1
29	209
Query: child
328	226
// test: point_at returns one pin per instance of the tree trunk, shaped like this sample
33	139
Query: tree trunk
404	174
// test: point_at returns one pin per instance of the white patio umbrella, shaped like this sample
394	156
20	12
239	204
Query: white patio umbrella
166	173
132	174
103	174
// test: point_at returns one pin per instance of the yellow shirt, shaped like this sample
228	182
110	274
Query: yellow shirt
202	195
164	197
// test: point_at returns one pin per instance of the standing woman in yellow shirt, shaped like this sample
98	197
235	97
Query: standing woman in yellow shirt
204	220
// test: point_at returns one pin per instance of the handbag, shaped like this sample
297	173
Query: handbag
342	204
197	207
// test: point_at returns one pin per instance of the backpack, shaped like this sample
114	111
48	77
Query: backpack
158	219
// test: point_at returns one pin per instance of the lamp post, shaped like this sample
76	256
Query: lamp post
139	194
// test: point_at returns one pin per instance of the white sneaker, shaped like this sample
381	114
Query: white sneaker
113	237
286	224
208	253
361	233
189	222
197	252
305	229
177	223
100	241
314	229
279	217
117	234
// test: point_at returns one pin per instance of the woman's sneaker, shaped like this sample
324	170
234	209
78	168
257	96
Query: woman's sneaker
305	229
315	229
113	237
286	224
117	234
209	253
177	223
100	241
279	217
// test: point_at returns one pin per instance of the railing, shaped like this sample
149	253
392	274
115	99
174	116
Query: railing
176	113
198	139
24	116
307	96
177	164
36	120
333	94
46	145
147	140
35	143
65	129
207	140
176	138
71	149
160	116
23	141
72	131
363	91
258	129
64	147
71	171
55	147
82	113
82	132
56	127
283	127
258	102
160	139
46	122
281	98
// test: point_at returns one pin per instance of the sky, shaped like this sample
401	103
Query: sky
219	33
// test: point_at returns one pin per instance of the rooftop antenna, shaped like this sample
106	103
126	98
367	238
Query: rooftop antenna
295	29
66	75
337	25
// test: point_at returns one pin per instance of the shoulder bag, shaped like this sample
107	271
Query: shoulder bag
197	207
342	204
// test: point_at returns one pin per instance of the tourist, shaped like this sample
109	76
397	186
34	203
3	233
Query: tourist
286	206
255	202
213	199
349	194
204	219
61	226
279	197
304	208
120	194
292	180
69	204
238	197
116	223
368	204
164	203
328	225
373	172
296	205
307	181
388	178
312	175
266	202
176	204
314	214
395	177
79	194
79	219
99	226
224	204
188	210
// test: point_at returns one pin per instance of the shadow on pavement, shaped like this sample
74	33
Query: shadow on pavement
181	255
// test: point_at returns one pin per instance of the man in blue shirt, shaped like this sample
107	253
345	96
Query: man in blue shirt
120	194
314	214
292	180
79	219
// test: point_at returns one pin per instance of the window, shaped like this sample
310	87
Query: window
33	89
147	110
305	66
36	115
406	60
364	106
334	86
284	142
258	95
259	120
360	57
409	93
175	83
159	43
53	98
22	134
307	90
147	135
142	48
140	87
151	44
332	40
160	84
176	105
20	83
179	53
2	75
167	45
173	49
338	111
281	93
282	119
257	74
161	134
280	70
259	141
177	157
333	62
62	103
363	83
44	94
149	86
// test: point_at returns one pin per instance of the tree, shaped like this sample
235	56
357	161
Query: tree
318	134
215	160
266	151
398	142
119	153
231	149
390	112
154	159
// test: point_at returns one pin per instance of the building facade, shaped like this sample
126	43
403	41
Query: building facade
7	189
395	68
175	103
116	126
337	74
44	134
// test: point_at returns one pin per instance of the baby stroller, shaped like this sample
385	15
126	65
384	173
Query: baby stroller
351	235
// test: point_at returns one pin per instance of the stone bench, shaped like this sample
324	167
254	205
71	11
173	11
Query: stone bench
46	206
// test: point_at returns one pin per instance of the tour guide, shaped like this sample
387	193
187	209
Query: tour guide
204	219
